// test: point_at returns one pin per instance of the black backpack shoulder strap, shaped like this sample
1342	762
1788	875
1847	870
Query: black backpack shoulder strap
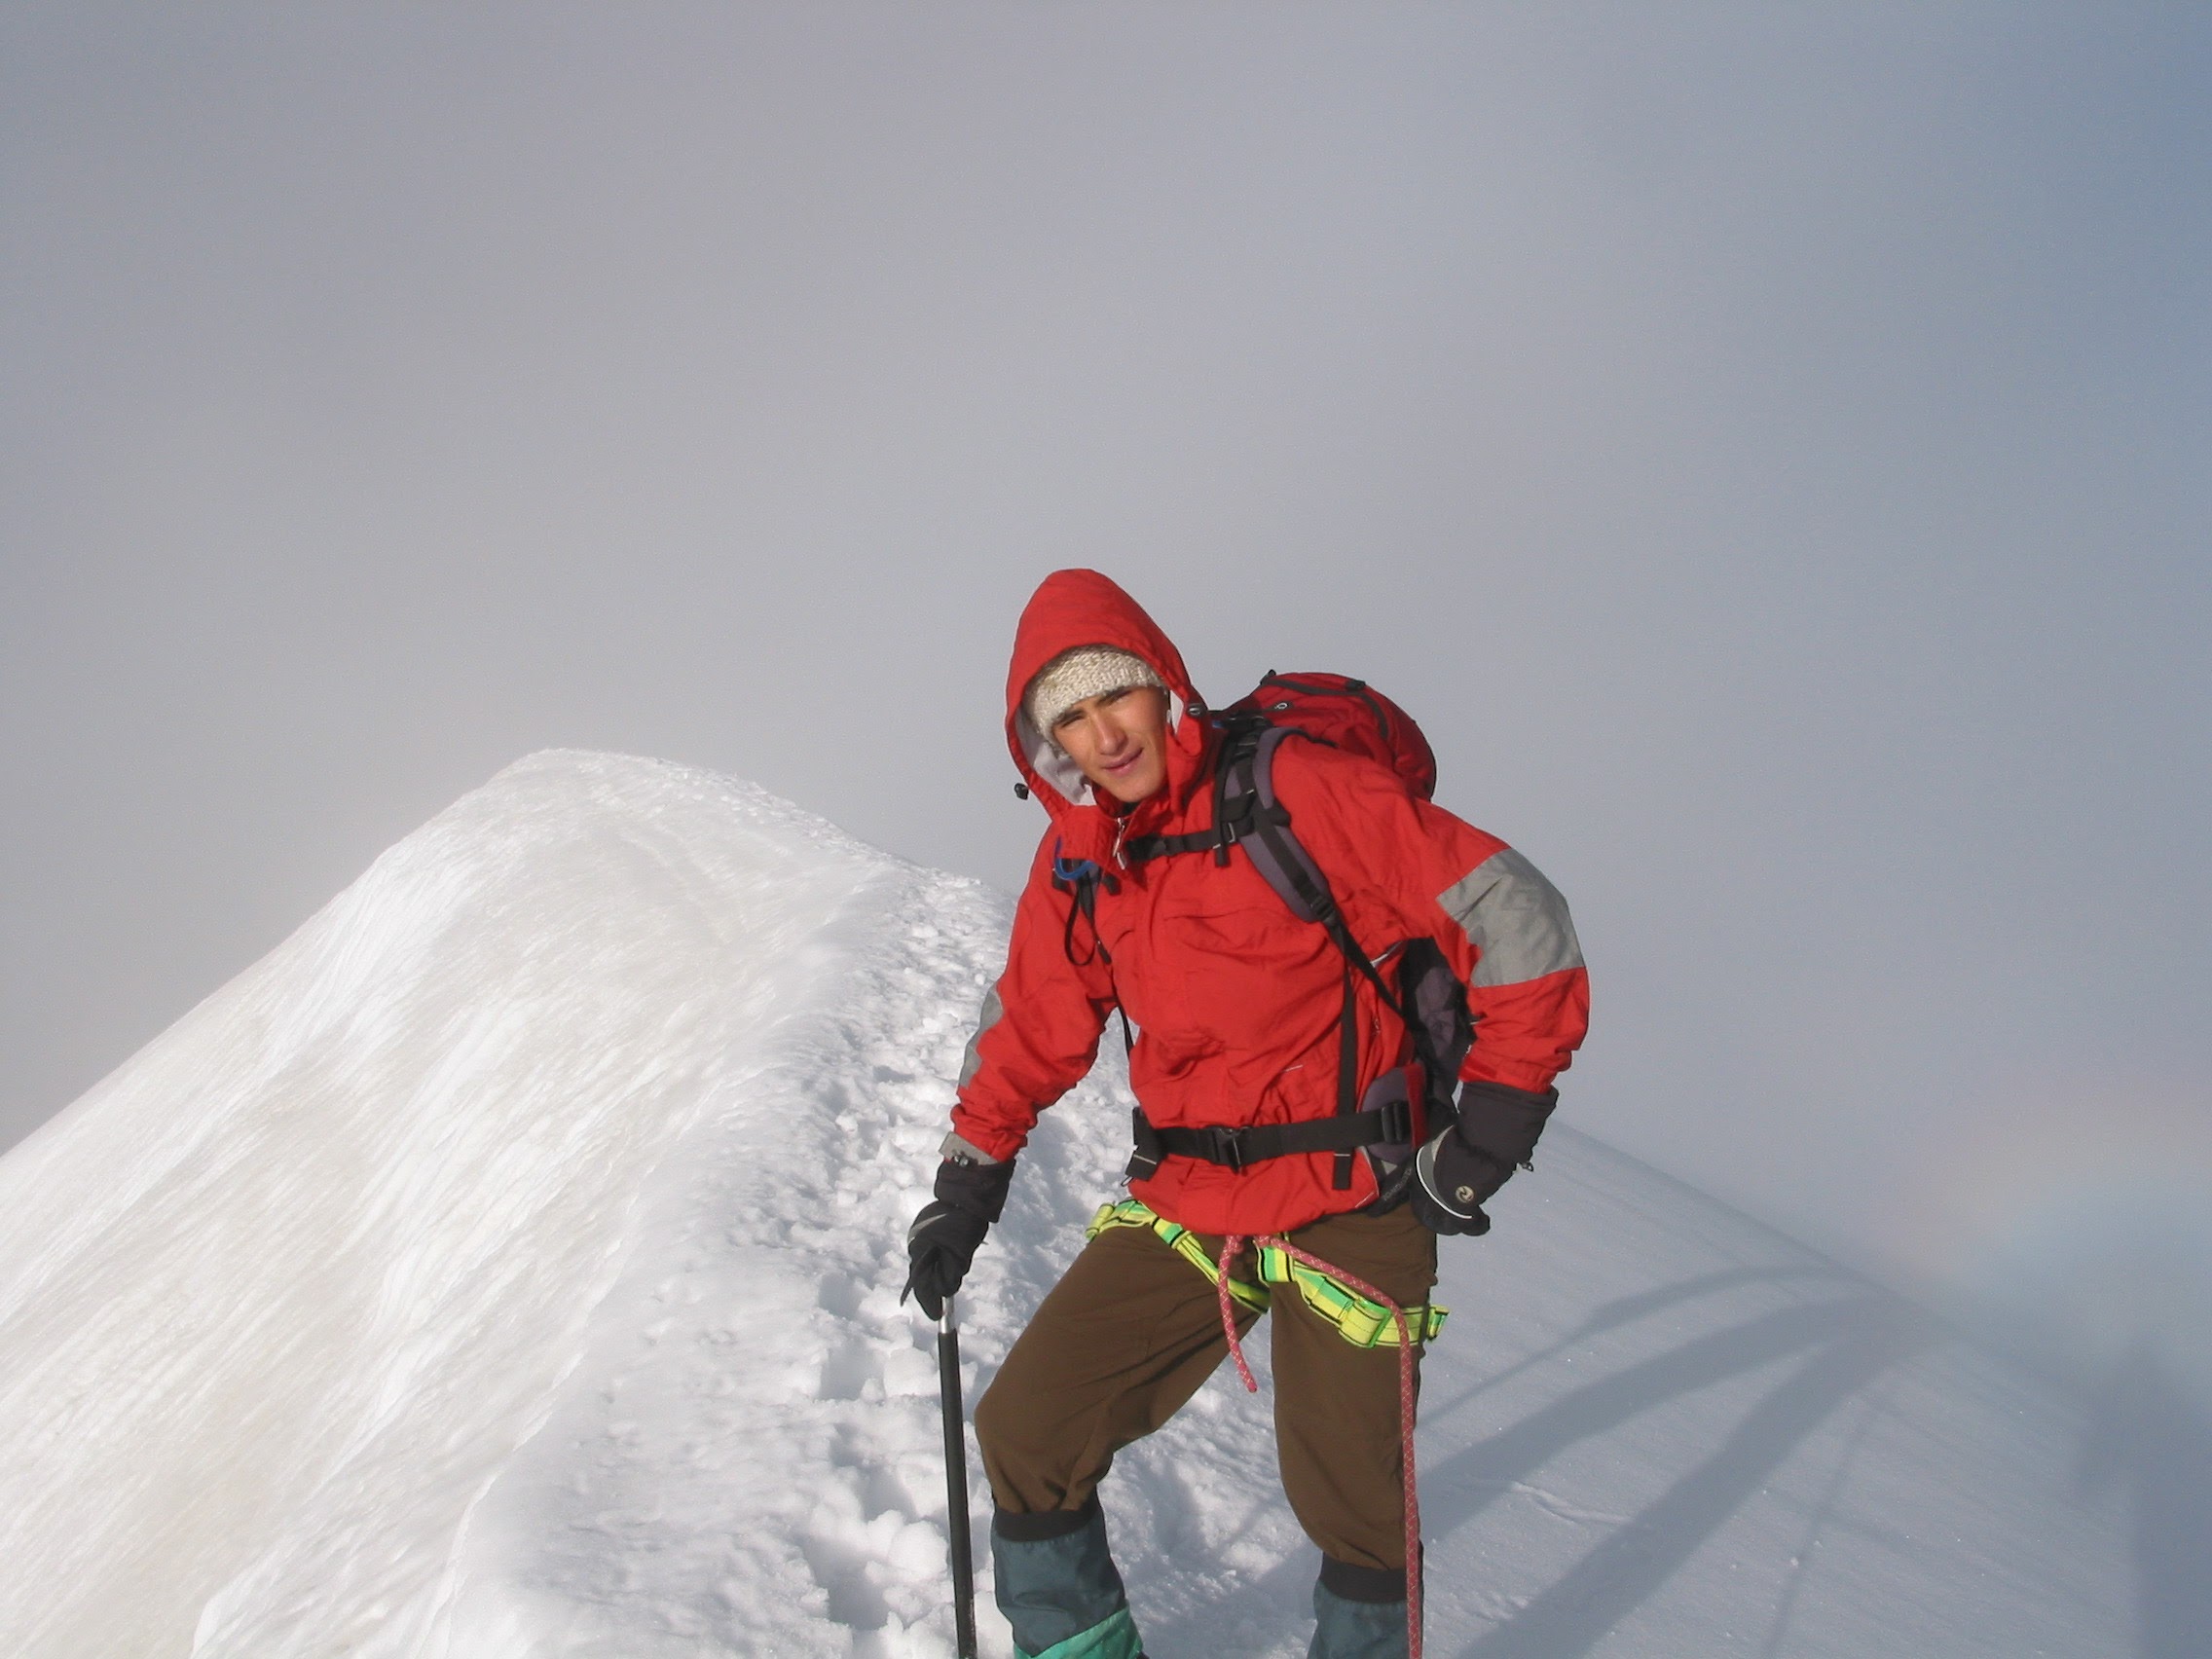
1278	855
1246	810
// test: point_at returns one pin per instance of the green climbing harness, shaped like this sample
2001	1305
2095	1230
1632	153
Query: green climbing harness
1358	1319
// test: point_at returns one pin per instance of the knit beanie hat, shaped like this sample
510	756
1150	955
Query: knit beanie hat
1087	671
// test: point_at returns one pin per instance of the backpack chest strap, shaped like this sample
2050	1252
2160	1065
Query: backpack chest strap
1238	818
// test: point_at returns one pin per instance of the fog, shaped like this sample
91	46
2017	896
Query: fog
1767	447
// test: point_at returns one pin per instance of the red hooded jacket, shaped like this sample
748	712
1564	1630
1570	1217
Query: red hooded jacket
1238	1003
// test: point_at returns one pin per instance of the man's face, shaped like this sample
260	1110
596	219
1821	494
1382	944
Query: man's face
1119	739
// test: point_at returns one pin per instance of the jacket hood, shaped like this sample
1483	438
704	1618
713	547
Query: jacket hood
1081	607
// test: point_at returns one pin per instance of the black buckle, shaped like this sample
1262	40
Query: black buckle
1395	1118
1227	1147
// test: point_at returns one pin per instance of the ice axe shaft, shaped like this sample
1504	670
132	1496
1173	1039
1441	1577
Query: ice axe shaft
956	1483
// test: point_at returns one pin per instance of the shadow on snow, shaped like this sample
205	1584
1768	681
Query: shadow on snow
1846	1344
1847	1341
2149	1440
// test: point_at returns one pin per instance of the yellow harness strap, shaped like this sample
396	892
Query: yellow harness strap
1359	1320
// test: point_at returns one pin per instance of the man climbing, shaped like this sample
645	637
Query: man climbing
1269	1112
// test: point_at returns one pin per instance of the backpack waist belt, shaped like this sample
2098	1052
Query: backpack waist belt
1240	1147
1360	1320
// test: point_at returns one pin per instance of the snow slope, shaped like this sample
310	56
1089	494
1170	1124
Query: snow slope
507	1266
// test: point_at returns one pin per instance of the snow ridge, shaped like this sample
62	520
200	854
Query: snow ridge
287	1290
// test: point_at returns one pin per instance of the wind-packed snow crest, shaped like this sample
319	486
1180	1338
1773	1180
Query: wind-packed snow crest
507	1267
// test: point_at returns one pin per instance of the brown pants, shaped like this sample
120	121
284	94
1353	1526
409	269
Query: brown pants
1131	1331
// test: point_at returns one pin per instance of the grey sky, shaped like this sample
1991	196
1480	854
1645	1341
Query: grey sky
1767	447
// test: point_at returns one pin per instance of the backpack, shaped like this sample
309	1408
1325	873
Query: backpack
1409	1103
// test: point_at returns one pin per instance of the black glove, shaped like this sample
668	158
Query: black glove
1459	1169
942	1242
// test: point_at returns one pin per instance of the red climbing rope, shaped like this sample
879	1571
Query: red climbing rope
1229	1249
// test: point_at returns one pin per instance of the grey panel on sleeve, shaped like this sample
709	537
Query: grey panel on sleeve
973	1061
1515	919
